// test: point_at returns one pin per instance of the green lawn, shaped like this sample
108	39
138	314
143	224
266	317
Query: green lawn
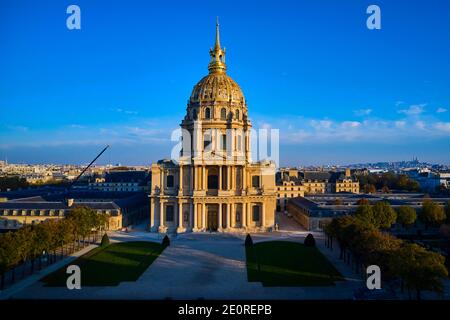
289	264
108	266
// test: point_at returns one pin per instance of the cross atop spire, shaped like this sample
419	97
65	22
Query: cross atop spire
217	63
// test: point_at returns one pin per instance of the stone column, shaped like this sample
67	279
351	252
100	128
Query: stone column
192	179
244	178
203	216
196	178
263	215
175	215
152	214
161	182
192	217
220	177
249	214
204	180
233	178
229	177
180	180
220	217
181	227
162	225
161	213
244	215
229	214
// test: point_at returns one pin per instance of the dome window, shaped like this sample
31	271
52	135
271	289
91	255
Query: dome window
237	114
207	113
223	114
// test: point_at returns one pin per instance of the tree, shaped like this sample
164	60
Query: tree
406	216
165	241
362	201
364	213
447	211
431	213
309	241
105	240
383	215
9	256
248	241
370	188
23	241
64	233
420	269
43	238
84	219
12	183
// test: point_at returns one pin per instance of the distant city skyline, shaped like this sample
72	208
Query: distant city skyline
338	92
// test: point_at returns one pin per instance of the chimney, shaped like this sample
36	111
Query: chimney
347	173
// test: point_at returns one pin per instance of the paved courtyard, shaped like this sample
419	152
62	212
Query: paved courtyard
208	266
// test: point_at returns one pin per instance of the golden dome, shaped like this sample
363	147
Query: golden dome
217	85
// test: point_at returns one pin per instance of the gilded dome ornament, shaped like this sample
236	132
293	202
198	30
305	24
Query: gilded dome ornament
217	86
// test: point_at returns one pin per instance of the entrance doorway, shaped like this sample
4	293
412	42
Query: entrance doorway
213	218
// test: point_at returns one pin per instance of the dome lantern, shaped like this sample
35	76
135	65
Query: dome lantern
217	63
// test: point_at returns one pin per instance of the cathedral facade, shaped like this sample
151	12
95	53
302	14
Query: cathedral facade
214	185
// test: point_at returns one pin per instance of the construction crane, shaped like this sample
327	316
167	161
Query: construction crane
84	170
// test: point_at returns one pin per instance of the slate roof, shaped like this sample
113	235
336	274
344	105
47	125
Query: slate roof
315	175
48	205
141	177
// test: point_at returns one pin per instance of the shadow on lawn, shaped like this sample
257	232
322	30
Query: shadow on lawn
289	264
111	265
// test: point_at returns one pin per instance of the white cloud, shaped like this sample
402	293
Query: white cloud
321	124
441	110
362	112
420	125
443	126
296	130
414	109
76	126
120	110
400	124
350	124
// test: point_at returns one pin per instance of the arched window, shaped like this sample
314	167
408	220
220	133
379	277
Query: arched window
237	114
207	113
223	114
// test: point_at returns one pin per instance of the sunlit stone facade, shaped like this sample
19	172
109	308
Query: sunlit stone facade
214	185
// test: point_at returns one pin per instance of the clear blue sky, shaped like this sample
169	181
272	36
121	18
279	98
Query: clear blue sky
338	92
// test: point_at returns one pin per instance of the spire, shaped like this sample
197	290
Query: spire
217	45
217	63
